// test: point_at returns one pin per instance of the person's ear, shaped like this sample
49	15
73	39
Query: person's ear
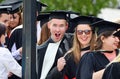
48	24
102	38
67	26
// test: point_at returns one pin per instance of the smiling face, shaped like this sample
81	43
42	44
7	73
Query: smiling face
110	43
15	20
57	28
84	34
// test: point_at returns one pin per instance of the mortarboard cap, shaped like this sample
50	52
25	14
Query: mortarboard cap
16	5
71	16
10	2
117	33
82	20
85	20
60	14
40	5
5	9
16	8
43	18
103	26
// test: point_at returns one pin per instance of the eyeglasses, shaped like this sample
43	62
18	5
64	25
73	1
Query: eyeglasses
87	32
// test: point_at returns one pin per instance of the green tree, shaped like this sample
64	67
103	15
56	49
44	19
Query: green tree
84	7
1	0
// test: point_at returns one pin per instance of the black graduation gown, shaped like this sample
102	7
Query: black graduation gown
16	37
89	63
64	46
70	67
112	71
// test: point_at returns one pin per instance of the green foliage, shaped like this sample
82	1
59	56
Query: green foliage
84	7
1	0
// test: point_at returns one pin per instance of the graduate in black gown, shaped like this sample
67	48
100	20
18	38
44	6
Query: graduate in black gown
15	40
83	41
56	46
91	65
14	10
113	70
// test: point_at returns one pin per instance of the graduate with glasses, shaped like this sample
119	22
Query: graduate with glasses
92	65
83	41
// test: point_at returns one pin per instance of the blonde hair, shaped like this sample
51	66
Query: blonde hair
76	46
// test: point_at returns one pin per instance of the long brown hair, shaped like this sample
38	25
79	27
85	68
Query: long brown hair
45	33
9	29
76	48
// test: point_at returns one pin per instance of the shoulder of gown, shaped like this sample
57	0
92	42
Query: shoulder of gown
112	71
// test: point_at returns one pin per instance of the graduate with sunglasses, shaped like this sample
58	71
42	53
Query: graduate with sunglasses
92	64
83	42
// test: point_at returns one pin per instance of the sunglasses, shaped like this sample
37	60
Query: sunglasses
87	32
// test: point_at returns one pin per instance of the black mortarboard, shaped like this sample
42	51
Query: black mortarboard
10	2
103	26
40	5
71	16
117	33
43	18
16	5
82	20
16	8
85	20
59	14
5	9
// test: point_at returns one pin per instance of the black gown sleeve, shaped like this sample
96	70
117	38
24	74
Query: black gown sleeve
55	74
112	71
85	67
71	66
